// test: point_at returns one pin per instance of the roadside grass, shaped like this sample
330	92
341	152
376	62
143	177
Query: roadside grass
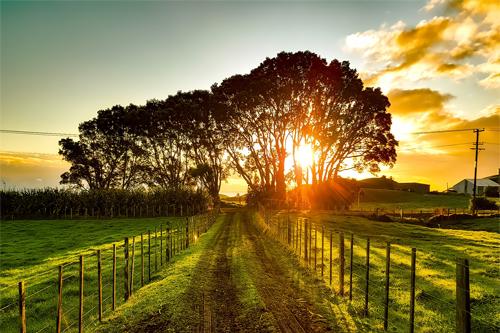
31	250
393	199
164	297
437	251
490	224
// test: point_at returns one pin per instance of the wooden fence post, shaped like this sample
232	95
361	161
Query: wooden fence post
113	292
341	264
142	260
187	232
132	267
331	250
169	244
315	246
149	255
99	284
305	241
80	311
310	243
59	300
299	240
463	317
351	260
156	250
289	230
125	270
387	276
161	245
367	276
322	249
412	290
22	307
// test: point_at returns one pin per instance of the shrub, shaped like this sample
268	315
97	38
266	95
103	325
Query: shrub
492	192
482	204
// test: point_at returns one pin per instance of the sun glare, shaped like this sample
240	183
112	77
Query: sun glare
402	128
304	155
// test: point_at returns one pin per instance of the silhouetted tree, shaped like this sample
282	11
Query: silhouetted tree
347	124
105	156
297	98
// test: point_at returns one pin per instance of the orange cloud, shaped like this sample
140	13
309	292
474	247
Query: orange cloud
30	170
465	42
405	102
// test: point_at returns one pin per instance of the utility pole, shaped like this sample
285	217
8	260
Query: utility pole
477	144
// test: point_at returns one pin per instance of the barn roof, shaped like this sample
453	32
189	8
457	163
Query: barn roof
484	182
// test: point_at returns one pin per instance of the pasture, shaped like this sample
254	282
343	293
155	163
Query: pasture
237	273
32	250
393	199
437	253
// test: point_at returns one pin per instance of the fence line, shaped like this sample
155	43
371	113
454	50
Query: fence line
305	239
92	293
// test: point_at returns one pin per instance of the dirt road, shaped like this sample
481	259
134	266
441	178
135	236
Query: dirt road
244	281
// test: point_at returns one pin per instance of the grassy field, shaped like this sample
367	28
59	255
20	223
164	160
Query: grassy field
392	199
490	224
238	277
437	251
32	250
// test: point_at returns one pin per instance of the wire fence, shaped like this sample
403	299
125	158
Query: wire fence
383	283
75	296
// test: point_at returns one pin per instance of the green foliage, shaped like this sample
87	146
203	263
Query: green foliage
480	203
60	203
492	192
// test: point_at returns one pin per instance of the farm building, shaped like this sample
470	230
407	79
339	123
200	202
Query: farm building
413	187
495	178
467	186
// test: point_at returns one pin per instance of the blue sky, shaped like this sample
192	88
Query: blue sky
62	61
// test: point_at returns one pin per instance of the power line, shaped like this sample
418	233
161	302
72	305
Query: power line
439	146
446	131
7	131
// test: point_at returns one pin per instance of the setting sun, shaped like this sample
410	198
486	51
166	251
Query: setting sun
304	155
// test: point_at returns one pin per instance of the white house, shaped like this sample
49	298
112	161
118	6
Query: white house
467	186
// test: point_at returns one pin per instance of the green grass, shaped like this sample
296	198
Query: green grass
32	250
392	199
490	224
169	287
437	251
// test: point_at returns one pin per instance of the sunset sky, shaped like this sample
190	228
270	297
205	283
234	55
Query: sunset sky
439	64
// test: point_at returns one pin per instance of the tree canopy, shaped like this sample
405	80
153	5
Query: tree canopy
253	124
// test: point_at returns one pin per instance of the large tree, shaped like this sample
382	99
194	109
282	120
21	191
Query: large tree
263	108
347	124
296	99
